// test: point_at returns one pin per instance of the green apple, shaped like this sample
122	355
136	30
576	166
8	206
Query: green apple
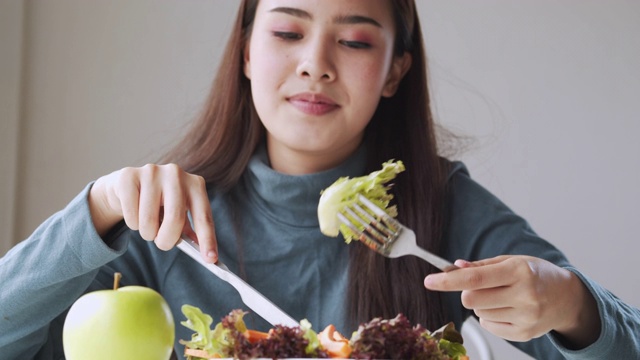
132	322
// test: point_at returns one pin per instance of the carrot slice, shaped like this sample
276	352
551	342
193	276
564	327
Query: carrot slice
334	343
254	335
199	353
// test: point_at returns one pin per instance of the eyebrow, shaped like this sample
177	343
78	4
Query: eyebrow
341	20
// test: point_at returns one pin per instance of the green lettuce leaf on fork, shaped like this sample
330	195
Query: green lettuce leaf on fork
344	191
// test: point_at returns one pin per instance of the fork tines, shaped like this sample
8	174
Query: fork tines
380	229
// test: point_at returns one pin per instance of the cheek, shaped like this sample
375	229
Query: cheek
367	78
264	83
368	75
268	68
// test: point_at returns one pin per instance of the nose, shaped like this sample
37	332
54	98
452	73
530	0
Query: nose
316	62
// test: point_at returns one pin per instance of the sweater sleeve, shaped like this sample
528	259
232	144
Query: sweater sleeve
44	274
619	330
481	227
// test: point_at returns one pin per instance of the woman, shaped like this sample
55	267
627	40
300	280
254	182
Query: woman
309	91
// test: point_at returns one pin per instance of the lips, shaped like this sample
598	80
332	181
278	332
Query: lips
313	103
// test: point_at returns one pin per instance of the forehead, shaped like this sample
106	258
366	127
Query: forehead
380	11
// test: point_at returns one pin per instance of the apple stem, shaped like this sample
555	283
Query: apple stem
116	280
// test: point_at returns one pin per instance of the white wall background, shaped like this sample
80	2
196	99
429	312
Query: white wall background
549	90
11	41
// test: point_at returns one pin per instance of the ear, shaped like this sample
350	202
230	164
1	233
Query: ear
399	68
246	64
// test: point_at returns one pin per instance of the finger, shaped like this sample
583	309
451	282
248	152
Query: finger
127	190
203	220
463	263
510	331
492	261
491	298
472	278
521	320
150	202
503	330
501	315
173	219
187	231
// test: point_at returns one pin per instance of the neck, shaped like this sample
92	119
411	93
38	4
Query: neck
294	162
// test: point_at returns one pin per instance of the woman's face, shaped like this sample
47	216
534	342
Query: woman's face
318	69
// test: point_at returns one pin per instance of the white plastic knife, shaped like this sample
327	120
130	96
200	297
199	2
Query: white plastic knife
250	296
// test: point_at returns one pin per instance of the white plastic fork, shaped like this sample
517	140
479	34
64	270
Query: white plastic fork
386	235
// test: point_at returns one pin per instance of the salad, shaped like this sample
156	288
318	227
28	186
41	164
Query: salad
344	191
379	338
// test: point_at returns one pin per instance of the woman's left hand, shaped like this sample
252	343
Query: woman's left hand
519	298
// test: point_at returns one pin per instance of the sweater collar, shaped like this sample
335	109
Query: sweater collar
293	199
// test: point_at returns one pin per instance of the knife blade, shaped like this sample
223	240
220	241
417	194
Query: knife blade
251	297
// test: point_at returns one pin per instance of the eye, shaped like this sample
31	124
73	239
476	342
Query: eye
286	35
355	44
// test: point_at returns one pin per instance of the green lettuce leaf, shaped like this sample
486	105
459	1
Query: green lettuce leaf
311	336
344	192
200	323
450	341
453	349
217	341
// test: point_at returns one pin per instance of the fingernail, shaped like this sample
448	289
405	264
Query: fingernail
428	280
462	263
212	255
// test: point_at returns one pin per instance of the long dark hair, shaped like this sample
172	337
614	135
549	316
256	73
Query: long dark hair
402	128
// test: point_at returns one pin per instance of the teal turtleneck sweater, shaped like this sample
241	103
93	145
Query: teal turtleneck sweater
269	221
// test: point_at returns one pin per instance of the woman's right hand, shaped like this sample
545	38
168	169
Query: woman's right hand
154	199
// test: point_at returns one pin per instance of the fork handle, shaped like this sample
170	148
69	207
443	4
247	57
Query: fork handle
435	260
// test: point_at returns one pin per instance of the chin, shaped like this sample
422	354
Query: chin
308	144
